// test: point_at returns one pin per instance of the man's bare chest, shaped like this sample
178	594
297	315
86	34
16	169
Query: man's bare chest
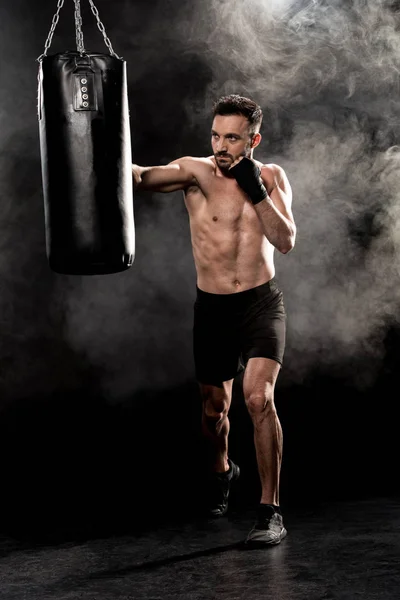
220	201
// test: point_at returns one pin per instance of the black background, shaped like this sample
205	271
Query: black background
100	412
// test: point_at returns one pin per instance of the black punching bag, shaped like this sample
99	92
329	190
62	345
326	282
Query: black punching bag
86	157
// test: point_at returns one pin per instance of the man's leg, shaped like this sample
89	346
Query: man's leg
258	388
215	425
215	422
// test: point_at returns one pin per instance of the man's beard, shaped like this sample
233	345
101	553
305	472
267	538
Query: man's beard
225	166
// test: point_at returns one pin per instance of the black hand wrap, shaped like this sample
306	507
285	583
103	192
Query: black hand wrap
247	174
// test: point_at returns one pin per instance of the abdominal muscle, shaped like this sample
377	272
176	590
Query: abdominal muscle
230	250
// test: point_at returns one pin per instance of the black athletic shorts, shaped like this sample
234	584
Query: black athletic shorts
229	329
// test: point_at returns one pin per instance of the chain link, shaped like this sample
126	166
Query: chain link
54	22
78	27
102	29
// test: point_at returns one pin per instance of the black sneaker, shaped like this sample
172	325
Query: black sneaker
219	488
268	529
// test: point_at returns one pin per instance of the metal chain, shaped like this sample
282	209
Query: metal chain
78	27
54	22
102	29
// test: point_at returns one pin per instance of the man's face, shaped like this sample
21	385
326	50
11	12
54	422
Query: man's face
230	139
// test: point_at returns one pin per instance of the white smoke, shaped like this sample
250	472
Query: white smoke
330	69
327	76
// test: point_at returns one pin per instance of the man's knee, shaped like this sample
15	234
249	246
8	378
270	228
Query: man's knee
260	404
215	403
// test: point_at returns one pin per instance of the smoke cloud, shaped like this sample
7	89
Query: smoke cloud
326	75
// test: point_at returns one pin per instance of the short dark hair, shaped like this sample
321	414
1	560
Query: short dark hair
240	105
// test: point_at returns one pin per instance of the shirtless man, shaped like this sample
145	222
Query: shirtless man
239	212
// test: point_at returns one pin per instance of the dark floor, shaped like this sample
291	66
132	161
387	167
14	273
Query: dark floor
339	550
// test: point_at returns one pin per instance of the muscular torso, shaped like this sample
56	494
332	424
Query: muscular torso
230	250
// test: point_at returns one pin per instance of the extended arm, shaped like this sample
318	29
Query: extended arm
177	175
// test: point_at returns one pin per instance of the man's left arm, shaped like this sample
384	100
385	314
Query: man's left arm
270	192
275	210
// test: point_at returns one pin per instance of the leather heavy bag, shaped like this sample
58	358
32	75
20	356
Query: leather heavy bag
86	158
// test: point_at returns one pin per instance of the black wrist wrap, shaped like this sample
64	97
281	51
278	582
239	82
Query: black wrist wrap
247	174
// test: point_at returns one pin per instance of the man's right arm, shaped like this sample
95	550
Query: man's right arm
177	175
